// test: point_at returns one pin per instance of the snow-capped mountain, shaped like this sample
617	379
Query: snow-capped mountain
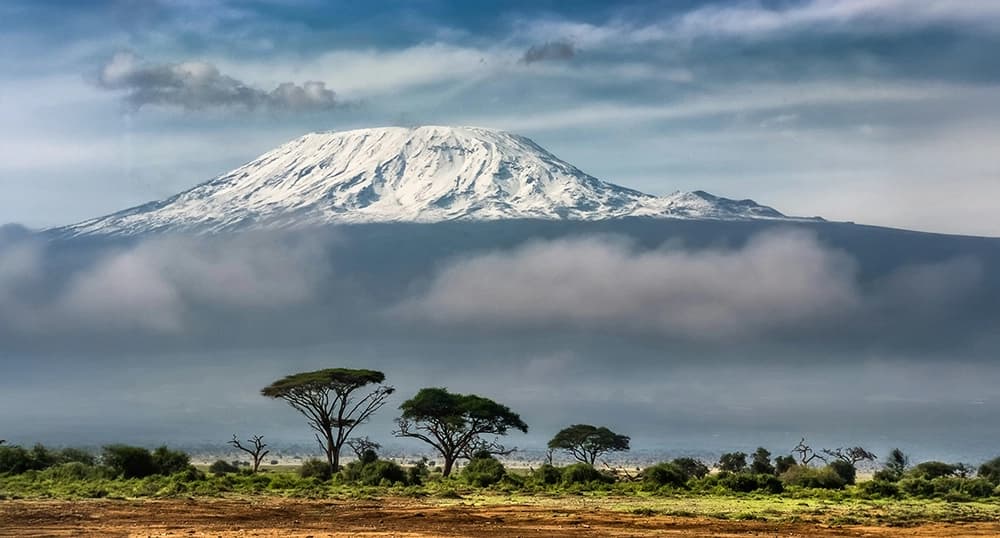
422	174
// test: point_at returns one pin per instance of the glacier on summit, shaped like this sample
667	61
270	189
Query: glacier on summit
397	174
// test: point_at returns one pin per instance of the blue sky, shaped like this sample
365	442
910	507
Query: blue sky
877	111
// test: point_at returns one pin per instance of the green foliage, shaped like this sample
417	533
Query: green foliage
916	487
314	468
75	470
15	460
664	474
369	472
220	467
733	462
586	443
381	472
484	472
760	462
129	461
894	466
169	462
991	471
812	477
460	411
368	456
750	482
581	473
844	470
329	379
691	468
783	463
879	489
932	469
417	474
77	455
455	423
547	475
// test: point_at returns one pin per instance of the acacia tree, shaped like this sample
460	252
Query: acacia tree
360	445
332	404
454	424
851	455
586	443
255	449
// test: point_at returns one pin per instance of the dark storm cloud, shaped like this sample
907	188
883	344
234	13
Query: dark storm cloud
200	85
552	50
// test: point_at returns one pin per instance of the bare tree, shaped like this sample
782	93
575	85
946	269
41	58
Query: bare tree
851	455
256	450
806	453
360	445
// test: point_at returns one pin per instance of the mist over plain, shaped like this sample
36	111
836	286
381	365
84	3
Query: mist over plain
684	334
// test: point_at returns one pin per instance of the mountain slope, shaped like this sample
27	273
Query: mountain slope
423	174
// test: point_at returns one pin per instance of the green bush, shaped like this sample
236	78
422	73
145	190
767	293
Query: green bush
811	477
582	473
547	475
484	472
418	473
879	489
77	455
15	460
315	468
979	488
946	486
783	463
733	462
664	474
844	470
220	467
760	462
381	472
991	471
932	469
749	482
168	462
690	467
916	487
75	470
129	461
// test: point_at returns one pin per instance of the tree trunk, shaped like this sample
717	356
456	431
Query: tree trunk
448	462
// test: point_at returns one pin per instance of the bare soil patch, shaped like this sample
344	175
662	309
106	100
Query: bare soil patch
396	518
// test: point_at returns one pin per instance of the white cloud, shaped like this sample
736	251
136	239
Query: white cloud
776	281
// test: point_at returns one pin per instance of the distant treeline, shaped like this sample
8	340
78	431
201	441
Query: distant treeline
468	427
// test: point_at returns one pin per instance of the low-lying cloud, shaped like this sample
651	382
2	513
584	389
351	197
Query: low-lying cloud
776	283
200	85
777	287
159	285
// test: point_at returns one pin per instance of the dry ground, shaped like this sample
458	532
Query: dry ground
397	517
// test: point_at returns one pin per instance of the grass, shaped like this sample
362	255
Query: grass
815	506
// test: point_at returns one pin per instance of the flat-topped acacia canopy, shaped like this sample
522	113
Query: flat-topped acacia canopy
332	378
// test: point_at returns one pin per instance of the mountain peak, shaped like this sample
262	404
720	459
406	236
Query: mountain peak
419	174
